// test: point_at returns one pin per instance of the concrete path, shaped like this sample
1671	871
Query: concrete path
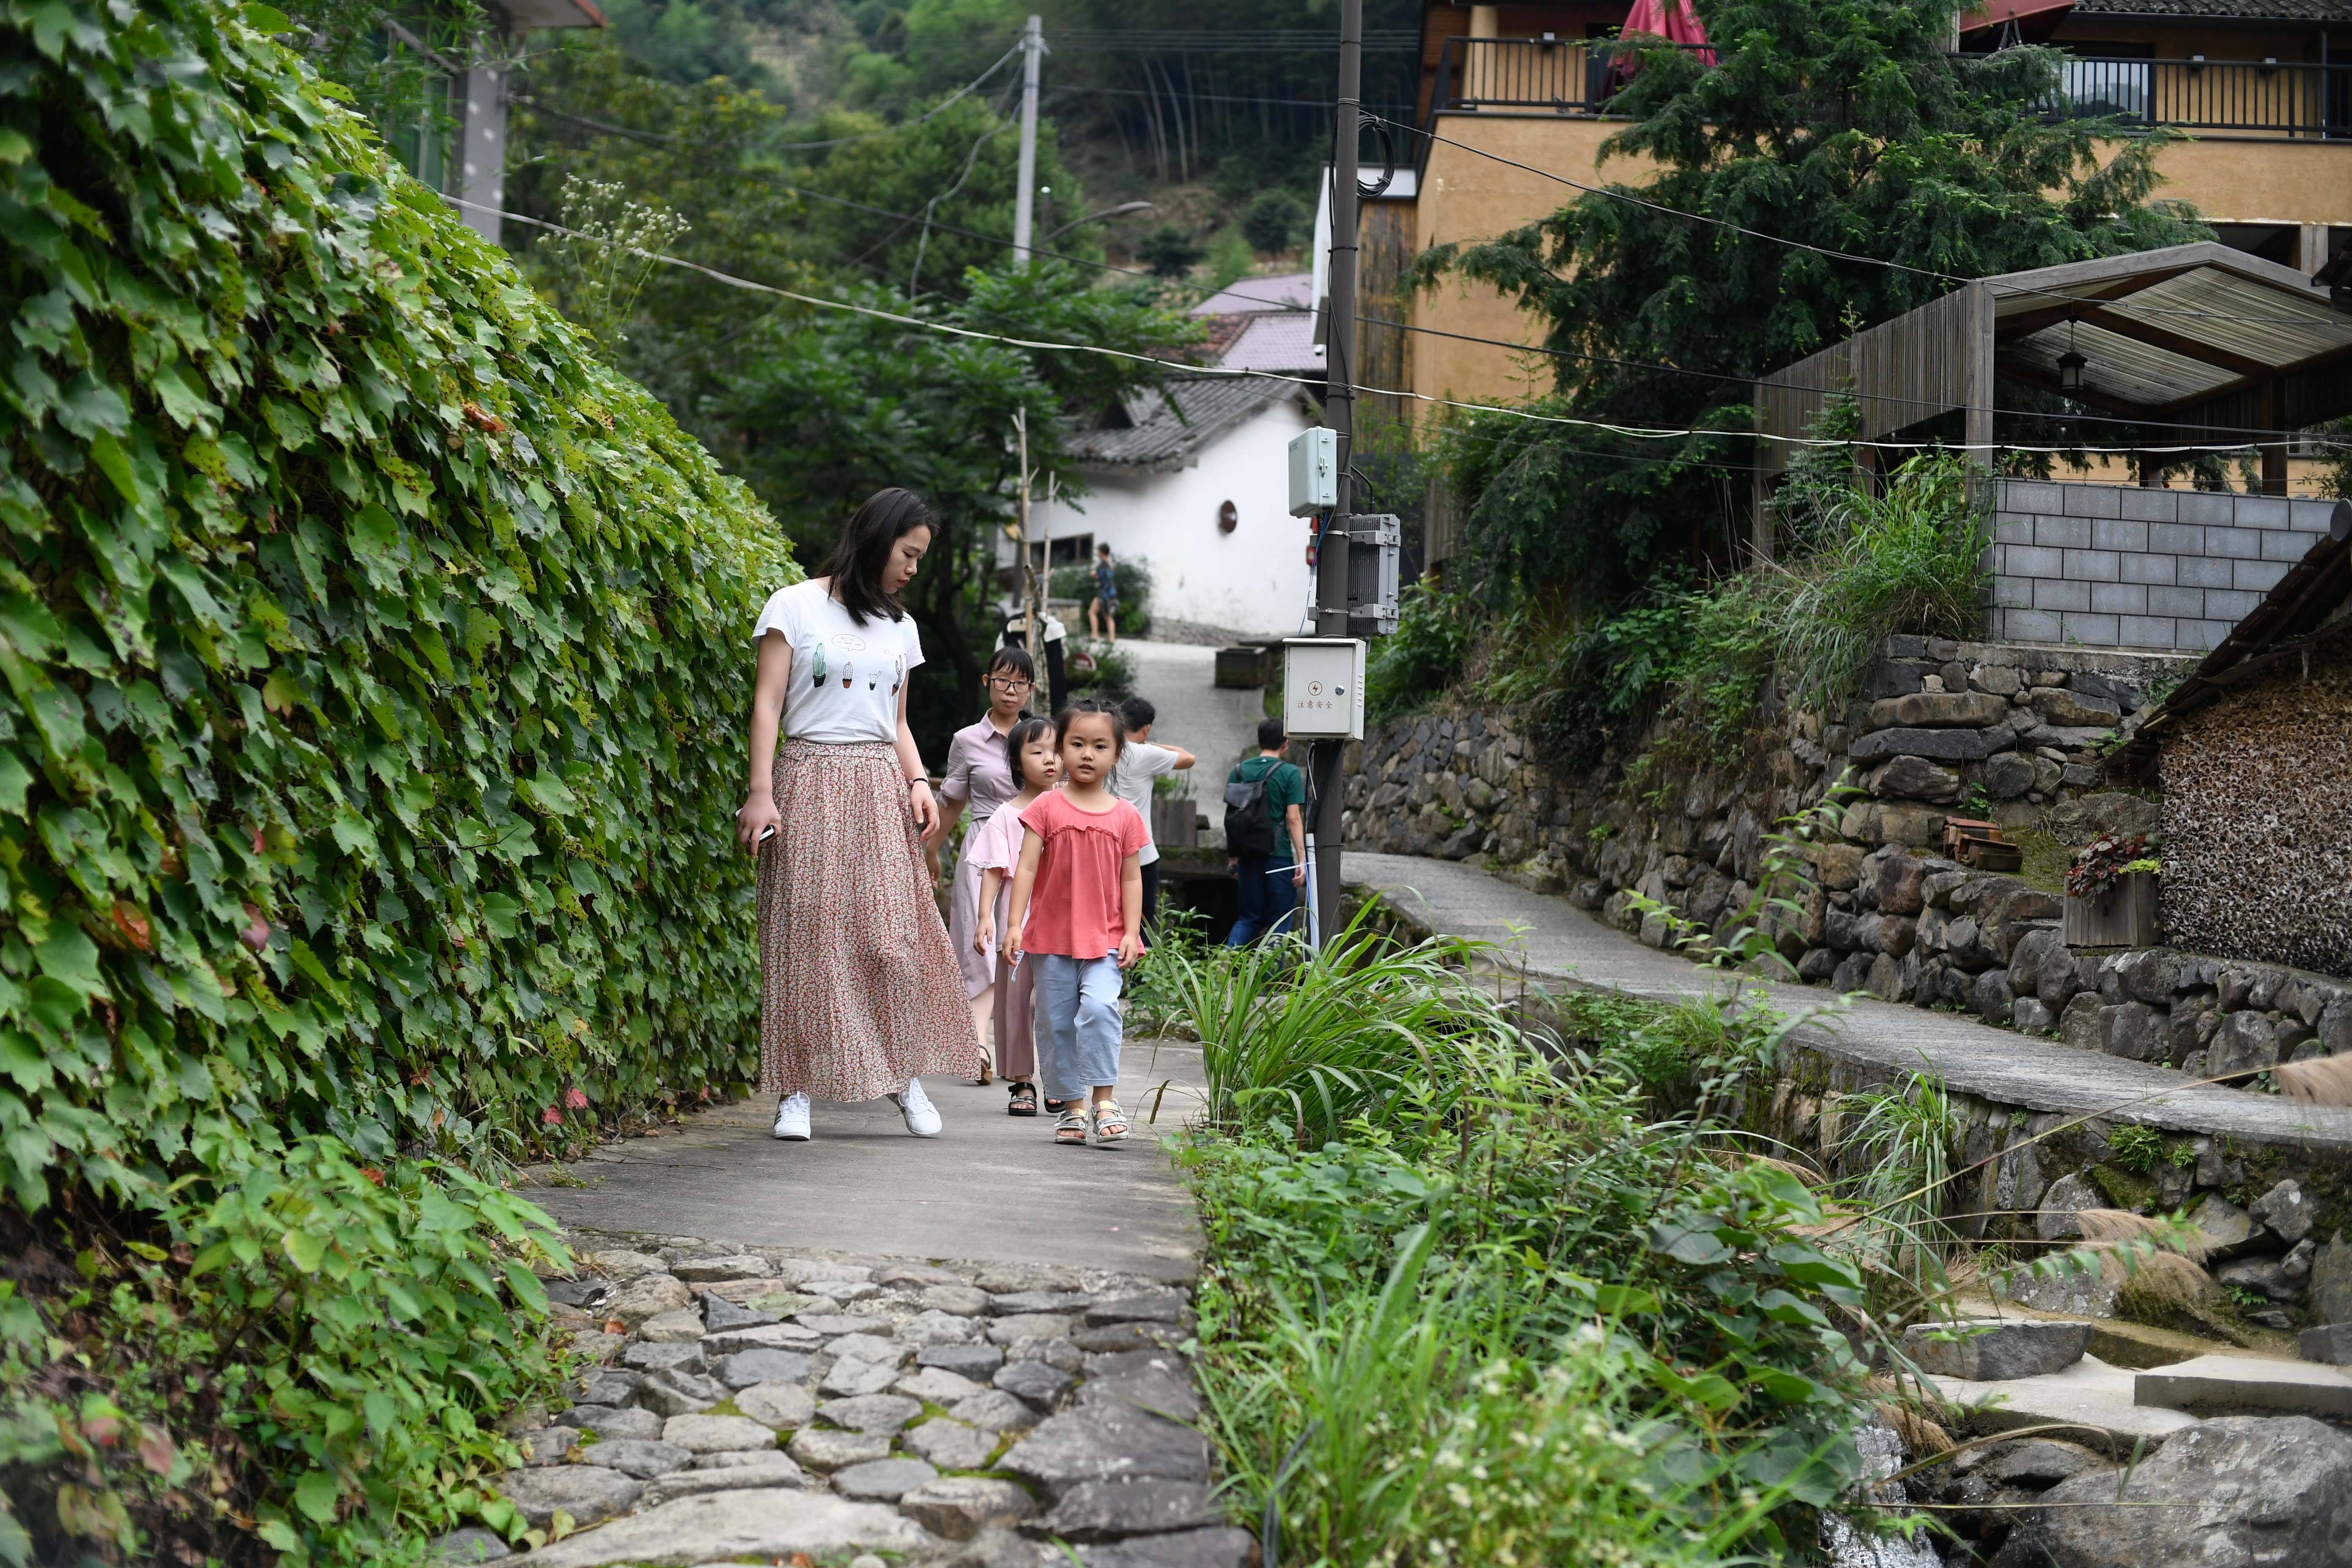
1558	944
1220	726
992	1189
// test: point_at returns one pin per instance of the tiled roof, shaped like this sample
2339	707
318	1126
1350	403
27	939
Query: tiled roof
2333	11
1277	340
1164	430
1246	296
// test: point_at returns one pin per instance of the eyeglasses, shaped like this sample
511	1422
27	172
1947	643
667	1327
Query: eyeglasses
1011	682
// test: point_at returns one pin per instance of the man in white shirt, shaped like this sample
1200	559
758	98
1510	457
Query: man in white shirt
1138	764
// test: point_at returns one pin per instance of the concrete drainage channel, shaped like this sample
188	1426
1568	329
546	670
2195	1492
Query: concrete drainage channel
756	1404
2209	1458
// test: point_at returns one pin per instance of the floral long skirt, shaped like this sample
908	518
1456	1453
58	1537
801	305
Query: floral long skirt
862	991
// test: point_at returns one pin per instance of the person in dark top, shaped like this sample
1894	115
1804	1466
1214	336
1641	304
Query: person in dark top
1266	837
1102	614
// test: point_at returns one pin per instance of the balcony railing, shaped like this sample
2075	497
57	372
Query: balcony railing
2278	97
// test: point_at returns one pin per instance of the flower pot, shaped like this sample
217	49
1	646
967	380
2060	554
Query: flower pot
2124	916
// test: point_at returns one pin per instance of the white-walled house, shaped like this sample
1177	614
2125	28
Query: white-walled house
1194	480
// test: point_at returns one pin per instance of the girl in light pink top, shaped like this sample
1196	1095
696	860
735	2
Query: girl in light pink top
993	851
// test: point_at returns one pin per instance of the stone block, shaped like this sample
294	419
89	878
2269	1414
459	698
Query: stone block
2331	1281
732	1266
2092	630
2119	533
2031	561
959	1508
643	1459
2234	1384
825	1450
1990	997
958	1300
719	1313
2120	598
2093	565
771	1524
2329	1344
2222	1227
649	1296
1939	709
1225	1546
1108	1443
614	1425
2093	500
995	1411
2028	1017
2150	505
1990	1349
975	1362
717	1434
950	1445
2031	626
589	1493
681	1327
936	1385
2243	1490
1936	745
548	1445
745	1368
2062	593
2067	532
882	1480
1106	1511
764	1471
2152	571
779	1406
874	1414
2286	1210
677	1392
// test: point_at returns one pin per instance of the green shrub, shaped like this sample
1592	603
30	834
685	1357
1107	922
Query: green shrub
1100	670
2136	1148
375	656
324	1348
1411	666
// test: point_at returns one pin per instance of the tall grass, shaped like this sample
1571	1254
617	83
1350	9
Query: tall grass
1908	560
1364	1030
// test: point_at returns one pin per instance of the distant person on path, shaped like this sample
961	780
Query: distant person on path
978	774
1266	834
995	848
861	995
1102	613
1140	763
1078	914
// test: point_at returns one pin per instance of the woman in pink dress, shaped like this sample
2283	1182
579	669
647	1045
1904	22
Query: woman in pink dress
979	777
861	995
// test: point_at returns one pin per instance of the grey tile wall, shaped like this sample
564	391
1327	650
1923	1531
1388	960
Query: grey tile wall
2112	566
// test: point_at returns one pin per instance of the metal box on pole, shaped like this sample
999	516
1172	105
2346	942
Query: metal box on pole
1314	471
1372	546
1323	689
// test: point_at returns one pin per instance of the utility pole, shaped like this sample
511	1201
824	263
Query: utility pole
1025	199
1340	415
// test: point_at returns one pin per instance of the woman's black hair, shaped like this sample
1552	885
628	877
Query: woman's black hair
1015	658
1017	738
1084	707
856	568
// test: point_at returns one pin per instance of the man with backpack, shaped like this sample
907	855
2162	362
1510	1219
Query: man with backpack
1265	837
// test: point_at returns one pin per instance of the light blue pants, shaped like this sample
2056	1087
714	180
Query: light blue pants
1077	1001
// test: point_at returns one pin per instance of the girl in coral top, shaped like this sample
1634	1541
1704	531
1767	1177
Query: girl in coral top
1078	914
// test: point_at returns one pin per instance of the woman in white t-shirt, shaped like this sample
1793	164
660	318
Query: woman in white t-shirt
862	995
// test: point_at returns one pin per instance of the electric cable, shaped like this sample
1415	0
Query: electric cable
1544	350
1633	432
1615	193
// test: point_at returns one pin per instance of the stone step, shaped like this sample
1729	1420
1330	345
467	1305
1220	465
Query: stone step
2098	1400
2240	1386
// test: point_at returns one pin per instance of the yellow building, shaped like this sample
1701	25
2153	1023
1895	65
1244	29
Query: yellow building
2261	88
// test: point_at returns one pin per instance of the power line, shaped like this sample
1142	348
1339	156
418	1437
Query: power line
1617	194
1631	432
1641	365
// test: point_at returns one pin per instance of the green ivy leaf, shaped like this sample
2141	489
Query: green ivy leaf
315	1495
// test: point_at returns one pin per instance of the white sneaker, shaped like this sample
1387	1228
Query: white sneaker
793	1118
922	1116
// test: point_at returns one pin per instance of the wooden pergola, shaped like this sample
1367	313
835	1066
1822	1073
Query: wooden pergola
2199	344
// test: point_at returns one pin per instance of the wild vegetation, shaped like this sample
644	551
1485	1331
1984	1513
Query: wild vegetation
363	791
1500	1277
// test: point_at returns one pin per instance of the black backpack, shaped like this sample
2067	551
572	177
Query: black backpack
1249	826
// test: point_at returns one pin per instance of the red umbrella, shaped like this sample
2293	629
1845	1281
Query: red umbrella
1679	25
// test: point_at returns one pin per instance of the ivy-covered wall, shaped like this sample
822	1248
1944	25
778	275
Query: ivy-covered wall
374	656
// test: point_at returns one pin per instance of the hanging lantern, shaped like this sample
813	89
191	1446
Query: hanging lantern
2070	366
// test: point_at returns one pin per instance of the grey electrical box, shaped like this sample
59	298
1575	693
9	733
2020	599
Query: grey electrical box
1372	545
1314	471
